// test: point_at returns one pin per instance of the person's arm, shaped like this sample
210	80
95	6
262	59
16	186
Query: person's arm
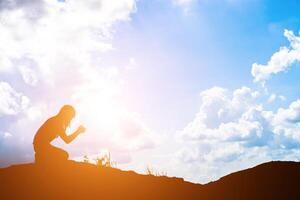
69	138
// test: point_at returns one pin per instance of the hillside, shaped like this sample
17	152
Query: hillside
73	180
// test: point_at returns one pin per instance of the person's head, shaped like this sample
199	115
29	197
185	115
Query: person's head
67	113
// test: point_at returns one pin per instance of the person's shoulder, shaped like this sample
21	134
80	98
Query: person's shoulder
52	121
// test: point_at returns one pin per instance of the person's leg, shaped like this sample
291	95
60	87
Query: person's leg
49	154
39	151
57	153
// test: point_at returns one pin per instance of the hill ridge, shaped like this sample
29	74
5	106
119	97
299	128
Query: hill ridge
75	180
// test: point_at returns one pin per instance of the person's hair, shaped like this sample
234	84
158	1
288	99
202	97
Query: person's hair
67	112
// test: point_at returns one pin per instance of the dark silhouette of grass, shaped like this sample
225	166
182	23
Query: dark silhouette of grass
75	180
151	171
103	160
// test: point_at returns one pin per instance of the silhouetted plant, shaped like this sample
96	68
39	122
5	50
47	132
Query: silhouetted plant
86	159
161	173
104	160
149	170
152	172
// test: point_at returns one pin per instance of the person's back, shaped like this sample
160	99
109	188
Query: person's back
51	129
48	131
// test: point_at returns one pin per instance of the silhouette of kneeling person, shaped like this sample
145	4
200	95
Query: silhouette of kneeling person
51	129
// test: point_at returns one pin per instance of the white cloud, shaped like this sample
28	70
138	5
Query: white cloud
289	115
64	36
11	101
272	98
186	5
188	155
248	123
29	75
231	126
183	2
7	135
286	124
282	98
280	61
231	152
219	107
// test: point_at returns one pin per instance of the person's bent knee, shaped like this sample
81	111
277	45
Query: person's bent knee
65	155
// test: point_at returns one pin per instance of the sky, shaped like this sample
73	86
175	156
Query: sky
193	88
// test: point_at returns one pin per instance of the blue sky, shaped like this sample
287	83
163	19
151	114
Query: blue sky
214	44
196	88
